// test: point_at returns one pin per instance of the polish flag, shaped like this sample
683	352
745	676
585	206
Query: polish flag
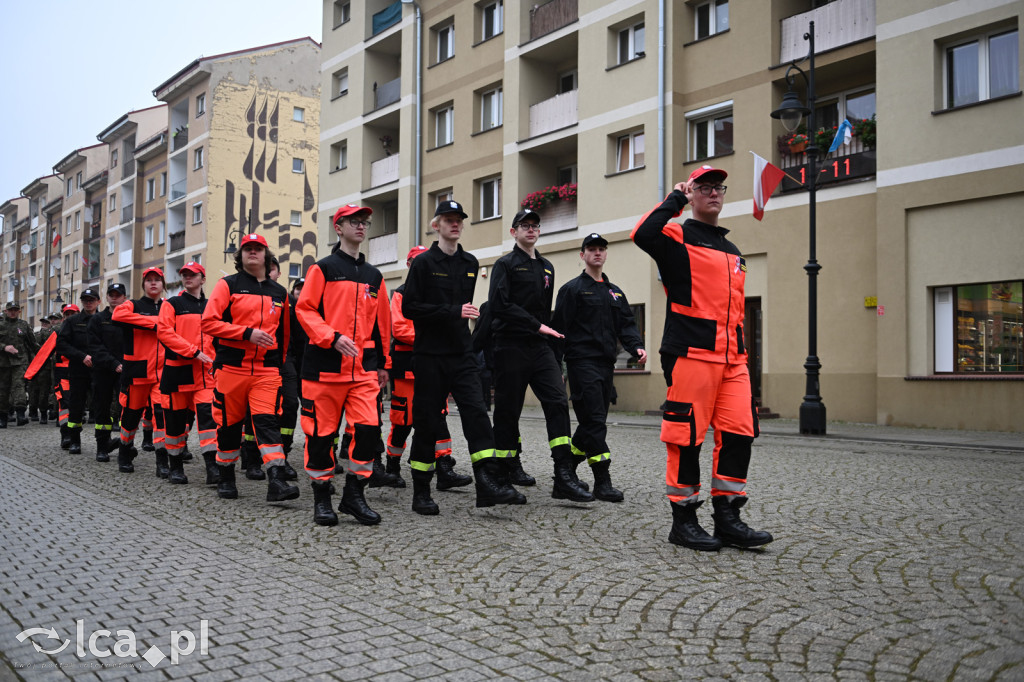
56	236
766	178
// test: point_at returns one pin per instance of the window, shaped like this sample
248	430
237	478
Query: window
197	212
296	218
444	126
67	262
163	184
200	104
299	114
78	180
112	203
197	159
566	175
623	359
710	131
161	233
339	155
442	195
490	109
111	245
148	237
568	81
982	68
67	225
342	12
150	189
631	43
113	158
710	18
74	261
298	166
492	19
629	152
294	270
71	187
445	38
340	82
78	221
490	198
979	327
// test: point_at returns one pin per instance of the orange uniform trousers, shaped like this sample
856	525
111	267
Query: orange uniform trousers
180	409
134	399
701	394
322	406
233	397
400	416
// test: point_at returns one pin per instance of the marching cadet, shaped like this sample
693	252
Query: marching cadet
186	380
592	313
106	345
17	348
522	288
73	343
247	316
439	300
61	385
39	386
344	310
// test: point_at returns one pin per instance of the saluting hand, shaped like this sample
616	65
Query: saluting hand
687	189
548	331
262	338
346	346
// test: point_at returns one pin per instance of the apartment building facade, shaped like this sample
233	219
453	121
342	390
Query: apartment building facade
612	103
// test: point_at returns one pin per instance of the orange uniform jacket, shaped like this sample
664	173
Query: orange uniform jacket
180	331
403	334
141	348
344	296
239	305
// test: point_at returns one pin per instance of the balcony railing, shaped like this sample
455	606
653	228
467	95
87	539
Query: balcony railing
179	138
552	16
838	23
125	258
94	230
559	216
128	168
384	249
384	171
848	162
387	17
551	114
177	241
127	213
178	190
388	93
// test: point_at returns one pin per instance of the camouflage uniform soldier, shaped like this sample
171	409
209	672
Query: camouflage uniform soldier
40	387
17	347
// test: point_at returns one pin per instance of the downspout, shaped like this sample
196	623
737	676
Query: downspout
418	193
662	143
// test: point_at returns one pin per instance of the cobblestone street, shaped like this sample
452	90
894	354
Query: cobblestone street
897	556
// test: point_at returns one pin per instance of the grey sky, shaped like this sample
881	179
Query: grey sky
70	69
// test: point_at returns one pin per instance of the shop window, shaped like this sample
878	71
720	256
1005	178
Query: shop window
981	68
979	327
710	131
710	18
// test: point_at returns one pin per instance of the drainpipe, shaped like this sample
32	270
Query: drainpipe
662	144
418	194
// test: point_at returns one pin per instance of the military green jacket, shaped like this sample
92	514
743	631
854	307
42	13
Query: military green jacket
17	333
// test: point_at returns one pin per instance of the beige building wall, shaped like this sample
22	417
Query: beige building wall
78	167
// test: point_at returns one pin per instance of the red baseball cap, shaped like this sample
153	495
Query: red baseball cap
192	266
254	238
153	271
413	252
351	209
72	308
705	170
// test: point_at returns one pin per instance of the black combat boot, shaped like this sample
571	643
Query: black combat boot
76	441
380	478
422	503
289	473
226	482
103	446
147	440
447	476
393	465
516	475
729	527
65	434
162	467
489	489
252	461
603	489
567	486
323	512
186	454
22	419
278	489
687	532
576	461
353	502
212	470
176	469
52	414
126	452
42	416
3	425
33	414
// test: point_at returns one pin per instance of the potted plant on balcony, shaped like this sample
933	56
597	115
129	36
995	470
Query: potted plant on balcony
865	130
823	138
797	143
535	201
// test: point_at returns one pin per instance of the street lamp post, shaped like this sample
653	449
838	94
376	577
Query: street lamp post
812	409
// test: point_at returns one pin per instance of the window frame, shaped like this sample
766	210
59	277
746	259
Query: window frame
301	165
707	115
490	189
163	184
342	13
497	23
952	331
150	189
200	104
713	19
339	156
147	237
338	79
299	114
448	111
161	232
629	33
292	218
631	137
983	77
197	213
496	112
197	158
444	36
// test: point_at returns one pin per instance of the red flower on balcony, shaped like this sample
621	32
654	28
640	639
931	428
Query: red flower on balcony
535	201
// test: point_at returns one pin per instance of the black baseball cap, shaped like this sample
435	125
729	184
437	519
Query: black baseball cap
523	215
118	288
593	239
450	207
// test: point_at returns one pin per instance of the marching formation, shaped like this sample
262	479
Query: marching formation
240	366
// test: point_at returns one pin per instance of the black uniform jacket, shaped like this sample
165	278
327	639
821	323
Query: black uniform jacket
73	342
106	342
437	287
593	315
522	289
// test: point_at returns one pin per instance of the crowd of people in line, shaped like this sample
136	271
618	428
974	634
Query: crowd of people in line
243	365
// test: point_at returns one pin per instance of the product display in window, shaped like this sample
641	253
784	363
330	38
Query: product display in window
990	328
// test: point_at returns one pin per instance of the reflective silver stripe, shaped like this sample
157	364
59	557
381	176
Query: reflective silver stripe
354	467
682	492
727	485
227	457
394	451
208	447
176	440
320	475
596	459
442	445
271	450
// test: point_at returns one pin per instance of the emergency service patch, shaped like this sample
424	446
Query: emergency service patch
741	265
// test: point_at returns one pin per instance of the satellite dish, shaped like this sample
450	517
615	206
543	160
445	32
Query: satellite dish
32	281
55	263
25	248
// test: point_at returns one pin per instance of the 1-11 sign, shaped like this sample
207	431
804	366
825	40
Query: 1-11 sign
843	168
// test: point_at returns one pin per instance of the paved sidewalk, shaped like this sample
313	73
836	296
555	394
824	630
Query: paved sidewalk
897	556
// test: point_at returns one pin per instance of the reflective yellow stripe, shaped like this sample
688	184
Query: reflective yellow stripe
576	451
596	459
555	442
482	454
422	466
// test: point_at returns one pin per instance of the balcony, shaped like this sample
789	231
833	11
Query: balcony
386	94
177	241
387	17
836	24
848	162
553	114
384	249
125	258
94	230
178	190
559	216
127	213
128	168
384	171
552	16
179	138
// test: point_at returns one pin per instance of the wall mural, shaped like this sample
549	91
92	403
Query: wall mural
260	168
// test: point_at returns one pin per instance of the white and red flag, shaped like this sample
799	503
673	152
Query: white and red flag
766	178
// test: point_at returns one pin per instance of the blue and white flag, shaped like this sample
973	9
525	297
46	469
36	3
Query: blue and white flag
843	134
